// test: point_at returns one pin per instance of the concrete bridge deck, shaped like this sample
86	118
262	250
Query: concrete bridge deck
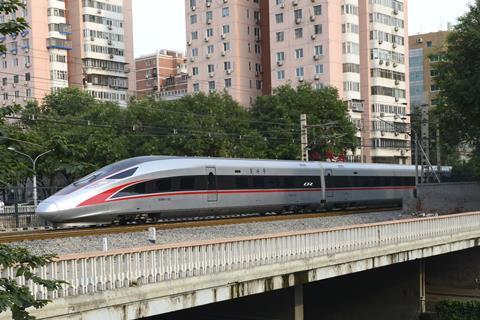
141	282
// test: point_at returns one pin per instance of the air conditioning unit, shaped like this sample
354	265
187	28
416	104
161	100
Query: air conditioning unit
225	1
110	42
282	5
397	99
110	27
24	99
189	43
208	56
403	152
301	79
312	18
229	71
394	46
395	12
209	3
99	11
14	85
397	82
26	50
27	64
4	102
211	74
211	91
223	36
2	88
382	133
317	77
280	63
92	38
316	57
395	64
209	21
387	63
189	75
26	84
207	39
298	21
419	40
313	37
396	134
192	59
194	8
396	29
223	53
112	56
380	41
295	2
380	62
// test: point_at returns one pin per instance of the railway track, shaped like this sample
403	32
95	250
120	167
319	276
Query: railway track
19	236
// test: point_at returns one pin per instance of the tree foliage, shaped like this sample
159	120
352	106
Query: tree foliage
12	26
19	298
87	134
458	76
458	310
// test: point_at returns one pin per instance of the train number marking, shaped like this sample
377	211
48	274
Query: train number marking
308	184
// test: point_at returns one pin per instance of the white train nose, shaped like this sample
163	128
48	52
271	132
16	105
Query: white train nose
47	210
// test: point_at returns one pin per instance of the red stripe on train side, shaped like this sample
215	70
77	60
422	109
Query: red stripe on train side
105	197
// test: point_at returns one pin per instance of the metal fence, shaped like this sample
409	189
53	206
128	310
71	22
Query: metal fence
88	273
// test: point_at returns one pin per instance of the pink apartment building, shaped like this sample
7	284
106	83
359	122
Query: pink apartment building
249	47
82	43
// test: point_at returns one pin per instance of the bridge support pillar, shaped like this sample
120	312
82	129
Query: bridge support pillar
422	290
299	302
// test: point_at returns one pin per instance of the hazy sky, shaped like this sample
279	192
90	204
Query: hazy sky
159	24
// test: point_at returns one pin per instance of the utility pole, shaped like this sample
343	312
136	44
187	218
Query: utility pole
439	158
304	139
425	138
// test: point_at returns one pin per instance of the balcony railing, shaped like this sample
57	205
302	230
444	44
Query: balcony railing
54	43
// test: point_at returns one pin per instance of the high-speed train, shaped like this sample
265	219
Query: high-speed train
159	187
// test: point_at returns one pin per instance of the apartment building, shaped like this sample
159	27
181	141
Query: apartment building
86	44
357	46
162	75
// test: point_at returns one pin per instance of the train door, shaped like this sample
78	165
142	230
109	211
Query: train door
212	195
328	183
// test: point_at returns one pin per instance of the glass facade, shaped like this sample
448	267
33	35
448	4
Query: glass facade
416	77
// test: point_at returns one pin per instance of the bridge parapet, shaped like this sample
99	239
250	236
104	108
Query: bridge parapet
104	271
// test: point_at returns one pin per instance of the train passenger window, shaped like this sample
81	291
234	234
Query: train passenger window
258	182
163	185
187	183
241	182
124	174
289	182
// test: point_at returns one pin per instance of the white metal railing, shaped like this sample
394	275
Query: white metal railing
87	273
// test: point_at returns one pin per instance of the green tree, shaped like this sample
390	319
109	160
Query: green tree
459	74
18	298
277	117
12	26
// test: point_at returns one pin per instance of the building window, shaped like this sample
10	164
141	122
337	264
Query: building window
279	2
227	65
226	28
429	44
195	71
280	36
194	35
4	81
196	87
209	15
318	50
279	17
351	48
194	52
211	85
226	46
319	69
317	29
299	72
317	10
281	75
210	49
299	53
225	12
193	19
298	33
298	14
228	83
209	32
15	79
281	56
259	84
211	68
28	92
27	76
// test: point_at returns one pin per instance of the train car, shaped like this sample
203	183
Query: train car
160	187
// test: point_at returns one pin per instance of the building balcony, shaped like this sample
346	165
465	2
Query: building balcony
54	43
355	105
